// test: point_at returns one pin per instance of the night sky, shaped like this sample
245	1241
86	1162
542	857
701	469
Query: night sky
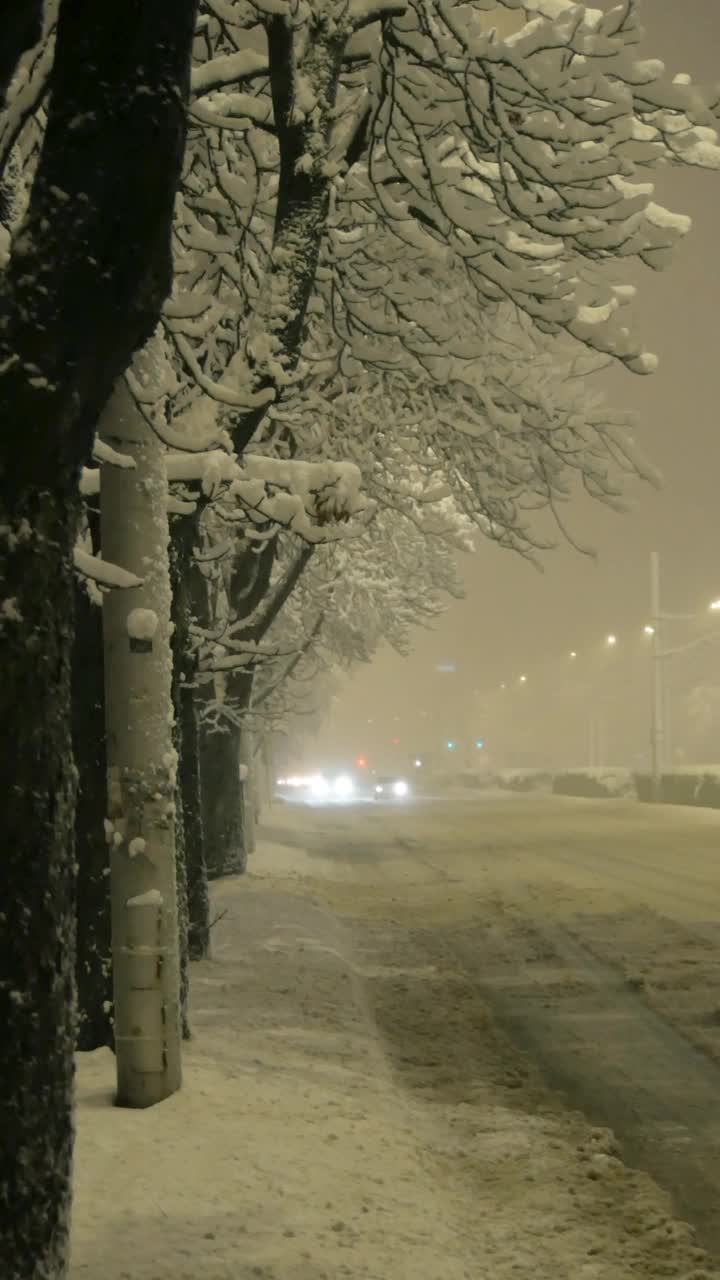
515	619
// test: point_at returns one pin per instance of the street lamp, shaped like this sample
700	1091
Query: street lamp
611	640
573	654
649	631
523	679
715	604
657	738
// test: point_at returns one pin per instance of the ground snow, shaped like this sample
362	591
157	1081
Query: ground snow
297	1151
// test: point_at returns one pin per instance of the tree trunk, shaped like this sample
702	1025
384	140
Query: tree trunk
226	797
251	807
197	875
222	800
141	761
37	881
93	964
188	792
182	898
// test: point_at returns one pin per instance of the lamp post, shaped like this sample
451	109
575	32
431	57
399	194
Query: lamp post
659	719
657	741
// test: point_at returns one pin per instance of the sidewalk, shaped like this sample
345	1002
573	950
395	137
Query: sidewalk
294	1152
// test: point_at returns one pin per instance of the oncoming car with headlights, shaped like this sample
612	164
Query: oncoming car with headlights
318	788
391	789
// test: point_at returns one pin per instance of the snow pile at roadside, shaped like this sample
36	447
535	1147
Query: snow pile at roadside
295	1153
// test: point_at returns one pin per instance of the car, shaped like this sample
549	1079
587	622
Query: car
390	787
318	788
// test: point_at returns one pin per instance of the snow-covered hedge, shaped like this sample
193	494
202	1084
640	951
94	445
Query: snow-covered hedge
476	778
524	779
695	785
472	779
599	783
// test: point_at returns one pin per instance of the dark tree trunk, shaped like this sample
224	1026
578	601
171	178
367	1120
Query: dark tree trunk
223	800
180	559
93	964
89	271
197	877
188	782
251	809
182	903
37	889
221	791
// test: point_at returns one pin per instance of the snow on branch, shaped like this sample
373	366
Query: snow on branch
364	12
247	655
240	111
517	155
228	69
103	452
225	394
102	572
30	85
303	497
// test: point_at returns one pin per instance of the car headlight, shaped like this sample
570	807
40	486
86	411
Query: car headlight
319	787
378	789
343	787
400	788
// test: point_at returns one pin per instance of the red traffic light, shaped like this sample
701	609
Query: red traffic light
361	762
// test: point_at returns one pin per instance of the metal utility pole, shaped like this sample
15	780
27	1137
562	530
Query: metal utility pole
595	739
658	681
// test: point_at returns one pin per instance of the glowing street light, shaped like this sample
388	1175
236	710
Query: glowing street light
714	605
523	679
573	654
611	640
649	631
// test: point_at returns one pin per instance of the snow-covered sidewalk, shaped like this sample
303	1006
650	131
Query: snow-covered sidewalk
295	1150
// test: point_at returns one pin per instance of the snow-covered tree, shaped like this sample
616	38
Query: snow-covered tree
84	274
397	237
358	593
401	171
256	497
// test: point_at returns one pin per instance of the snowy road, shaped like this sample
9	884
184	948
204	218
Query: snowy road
591	928
405	1016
